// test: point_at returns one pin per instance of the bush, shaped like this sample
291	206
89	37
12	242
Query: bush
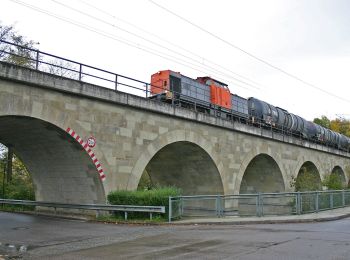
333	182
154	197
306	181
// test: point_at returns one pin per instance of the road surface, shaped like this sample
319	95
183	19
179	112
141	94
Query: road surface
39	237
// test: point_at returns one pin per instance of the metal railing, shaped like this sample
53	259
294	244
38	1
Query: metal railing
97	207
260	204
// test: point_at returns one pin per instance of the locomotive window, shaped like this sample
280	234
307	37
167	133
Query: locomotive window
165	83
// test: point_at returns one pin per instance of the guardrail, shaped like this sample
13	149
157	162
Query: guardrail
260	204
97	207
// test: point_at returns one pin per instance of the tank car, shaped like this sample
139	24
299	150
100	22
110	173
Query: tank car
208	95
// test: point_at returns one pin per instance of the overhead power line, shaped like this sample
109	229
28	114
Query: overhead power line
248	53
152	42
113	37
169	42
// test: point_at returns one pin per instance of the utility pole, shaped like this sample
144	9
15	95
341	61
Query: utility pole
9	163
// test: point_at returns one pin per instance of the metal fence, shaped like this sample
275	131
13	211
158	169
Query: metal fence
260	204
96	207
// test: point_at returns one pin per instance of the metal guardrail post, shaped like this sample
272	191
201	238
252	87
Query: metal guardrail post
299	206
261	204
343	197
181	205
258	205
222	204
331	200
218	206
116	82
317	202
125	215
170	210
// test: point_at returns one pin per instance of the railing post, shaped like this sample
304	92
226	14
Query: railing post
146	90
169	210
80	71
150	216
181	206
37	60
261	204
343	197
317	206
331	200
217	206
116	83
125	215
258	205
299	203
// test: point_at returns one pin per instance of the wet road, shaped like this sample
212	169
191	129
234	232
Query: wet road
52	238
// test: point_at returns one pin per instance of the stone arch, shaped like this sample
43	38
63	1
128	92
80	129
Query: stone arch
249	158
308	167
179	139
262	174
61	169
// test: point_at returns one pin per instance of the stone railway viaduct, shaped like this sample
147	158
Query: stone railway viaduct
175	146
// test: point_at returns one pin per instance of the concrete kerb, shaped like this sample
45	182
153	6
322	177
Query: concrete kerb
328	215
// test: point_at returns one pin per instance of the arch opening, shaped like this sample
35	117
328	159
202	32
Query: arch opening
60	168
184	165
262	175
337	177
15	180
308	178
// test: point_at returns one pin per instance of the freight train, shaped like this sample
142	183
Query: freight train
211	96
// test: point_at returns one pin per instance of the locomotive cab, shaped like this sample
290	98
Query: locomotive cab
165	84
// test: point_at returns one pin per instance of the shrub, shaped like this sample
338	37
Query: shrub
333	182
154	197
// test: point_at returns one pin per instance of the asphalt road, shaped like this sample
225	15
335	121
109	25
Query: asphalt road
41	237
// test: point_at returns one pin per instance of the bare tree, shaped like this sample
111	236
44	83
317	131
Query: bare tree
20	53
63	68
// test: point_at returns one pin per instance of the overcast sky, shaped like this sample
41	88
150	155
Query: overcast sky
309	39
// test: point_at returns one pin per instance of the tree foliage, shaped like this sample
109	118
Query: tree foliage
21	186
18	55
323	121
340	125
